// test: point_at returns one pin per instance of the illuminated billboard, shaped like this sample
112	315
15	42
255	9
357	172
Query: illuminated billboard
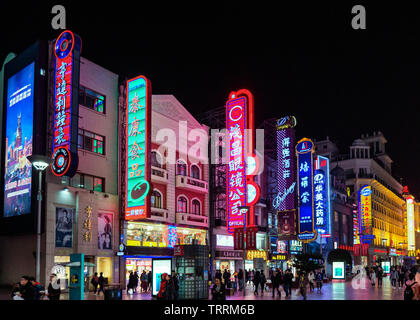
322	195
242	165
411	235
306	225
18	142
159	267
66	104
365	214
338	270
138	143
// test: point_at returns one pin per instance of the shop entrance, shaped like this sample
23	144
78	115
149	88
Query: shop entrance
104	265
137	265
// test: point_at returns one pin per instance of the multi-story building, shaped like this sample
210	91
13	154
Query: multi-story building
180	189
368	164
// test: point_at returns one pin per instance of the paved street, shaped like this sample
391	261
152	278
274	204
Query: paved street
335	290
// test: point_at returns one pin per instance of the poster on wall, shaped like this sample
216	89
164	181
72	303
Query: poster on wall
159	267
19	134
105	230
338	270
64	227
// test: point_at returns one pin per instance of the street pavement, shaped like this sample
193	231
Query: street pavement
334	290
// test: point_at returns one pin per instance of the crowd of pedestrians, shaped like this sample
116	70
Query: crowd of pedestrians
145	282
30	289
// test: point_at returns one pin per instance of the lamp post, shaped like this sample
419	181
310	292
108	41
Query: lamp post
40	163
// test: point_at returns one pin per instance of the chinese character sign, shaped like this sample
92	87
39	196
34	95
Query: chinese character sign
286	185
304	152
66	105
322	195
236	188
138	168
411	235
365	210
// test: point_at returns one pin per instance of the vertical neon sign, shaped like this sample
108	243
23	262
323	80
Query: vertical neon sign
138	132
365	214
411	236
242	165
304	153
322	195
66	106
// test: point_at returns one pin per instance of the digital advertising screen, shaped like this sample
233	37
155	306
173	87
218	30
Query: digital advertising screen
386	266
338	270
18	142
159	267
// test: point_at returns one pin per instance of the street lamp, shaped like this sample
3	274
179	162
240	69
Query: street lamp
40	163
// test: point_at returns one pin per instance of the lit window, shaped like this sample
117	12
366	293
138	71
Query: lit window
195	172
156	199
196	207
91	99
182	205
91	141
181	168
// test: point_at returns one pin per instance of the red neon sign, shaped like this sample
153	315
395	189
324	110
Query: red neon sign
241	190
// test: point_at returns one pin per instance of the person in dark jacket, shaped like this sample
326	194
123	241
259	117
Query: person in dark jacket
263	281
150	280
95	282
54	290
257	280
275	283
241	279
170	288
379	275
226	278
26	290
287	283
101	283
218	290
37	288
174	279
135	281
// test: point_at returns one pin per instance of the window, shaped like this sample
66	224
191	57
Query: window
181	168
88	182
196	207
182	205
156	199
156	159
91	142
195	171
91	99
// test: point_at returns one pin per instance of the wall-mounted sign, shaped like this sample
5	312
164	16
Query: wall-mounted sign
224	240
279	257
295	246
286	122
251	238
281	246
365	214
322	195
256	254
229	254
87	224
411	234
66	104
286	224
306	223
339	271
138	140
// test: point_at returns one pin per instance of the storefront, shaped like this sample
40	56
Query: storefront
278	261
228	260
256	260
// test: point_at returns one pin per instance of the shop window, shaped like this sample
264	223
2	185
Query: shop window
181	168
91	142
195	171
196	207
156	199
182	205
91	99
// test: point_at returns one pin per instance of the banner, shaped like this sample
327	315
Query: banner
64	227
105	230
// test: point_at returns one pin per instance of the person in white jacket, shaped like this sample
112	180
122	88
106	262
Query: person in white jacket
311	279
372	277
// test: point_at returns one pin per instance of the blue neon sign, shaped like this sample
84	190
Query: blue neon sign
322	195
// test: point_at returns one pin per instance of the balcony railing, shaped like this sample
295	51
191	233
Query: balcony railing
192	219
160	175
159	214
192	184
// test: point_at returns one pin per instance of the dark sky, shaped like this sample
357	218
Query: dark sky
301	60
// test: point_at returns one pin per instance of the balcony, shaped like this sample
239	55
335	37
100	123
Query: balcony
159	214
160	175
192	184
192	219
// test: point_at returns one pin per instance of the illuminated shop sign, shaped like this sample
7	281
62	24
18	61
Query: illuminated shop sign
278	257
66	104
411	235
19	138
256	254
281	246
138	135
295	246
365	214
141	234
306	223
322	195
286	185
338	270
241	190
224	240
286	122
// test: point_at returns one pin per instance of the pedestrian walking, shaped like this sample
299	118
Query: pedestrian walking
247	273
303	282
170	288
143	279
380	274
95	282
257	280
135	281
241	279
101	282
400	278
149	281
311	279
287	279
275	283
53	290
319	279
226	278
372	277
394	277
130	283
263	281
218	290
411	290
175	281
162	294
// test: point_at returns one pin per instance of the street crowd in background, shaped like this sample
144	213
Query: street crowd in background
145	282
29	289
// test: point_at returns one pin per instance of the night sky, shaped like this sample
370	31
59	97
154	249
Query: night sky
303	60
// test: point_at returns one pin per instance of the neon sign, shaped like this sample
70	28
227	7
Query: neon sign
242	165
365	214
304	152
322	195
138	168
66	105
411	236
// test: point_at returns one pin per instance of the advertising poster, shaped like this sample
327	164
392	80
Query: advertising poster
19	135
159	267
338	270
64	227
286	224
105	230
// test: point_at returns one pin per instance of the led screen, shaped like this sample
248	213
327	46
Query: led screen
18	145
158	268
338	270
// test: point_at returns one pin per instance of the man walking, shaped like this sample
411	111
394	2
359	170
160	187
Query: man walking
275	283
288	277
